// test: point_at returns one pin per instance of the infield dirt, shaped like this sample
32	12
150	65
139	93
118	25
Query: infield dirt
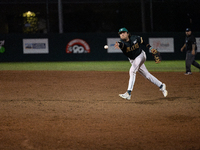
63	110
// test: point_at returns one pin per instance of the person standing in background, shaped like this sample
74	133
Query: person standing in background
191	51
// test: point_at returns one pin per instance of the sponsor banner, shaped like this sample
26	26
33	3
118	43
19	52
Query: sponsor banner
198	44
2	47
163	45
111	43
77	46
35	46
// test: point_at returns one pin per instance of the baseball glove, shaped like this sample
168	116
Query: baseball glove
156	55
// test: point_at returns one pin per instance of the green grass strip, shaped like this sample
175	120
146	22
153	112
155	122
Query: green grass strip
164	66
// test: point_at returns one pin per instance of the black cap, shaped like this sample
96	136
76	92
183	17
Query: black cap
187	29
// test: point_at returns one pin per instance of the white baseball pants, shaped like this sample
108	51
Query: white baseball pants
138	65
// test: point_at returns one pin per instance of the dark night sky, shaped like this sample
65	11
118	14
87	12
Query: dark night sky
104	16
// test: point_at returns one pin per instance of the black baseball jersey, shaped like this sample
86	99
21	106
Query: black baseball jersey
132	48
189	40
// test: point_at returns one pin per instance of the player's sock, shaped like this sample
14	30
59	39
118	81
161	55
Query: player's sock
161	86
129	92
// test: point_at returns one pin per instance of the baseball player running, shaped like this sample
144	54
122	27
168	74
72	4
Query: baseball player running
130	46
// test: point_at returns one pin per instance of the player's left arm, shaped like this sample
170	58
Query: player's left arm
193	42
154	51
193	49
144	43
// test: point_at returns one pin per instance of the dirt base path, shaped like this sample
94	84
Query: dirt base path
59	110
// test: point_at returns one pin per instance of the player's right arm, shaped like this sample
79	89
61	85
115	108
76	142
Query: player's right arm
116	45
119	45
182	48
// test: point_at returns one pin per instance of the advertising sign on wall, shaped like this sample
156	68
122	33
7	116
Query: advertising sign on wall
198	44
77	46
35	46
2	47
164	45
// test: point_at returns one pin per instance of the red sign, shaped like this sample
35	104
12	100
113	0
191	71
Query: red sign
77	46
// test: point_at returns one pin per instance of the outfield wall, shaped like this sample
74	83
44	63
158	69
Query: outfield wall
83	46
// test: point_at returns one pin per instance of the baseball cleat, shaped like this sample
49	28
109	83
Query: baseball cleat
125	96
163	89
188	73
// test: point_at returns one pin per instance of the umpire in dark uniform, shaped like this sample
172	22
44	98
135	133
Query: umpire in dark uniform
191	50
